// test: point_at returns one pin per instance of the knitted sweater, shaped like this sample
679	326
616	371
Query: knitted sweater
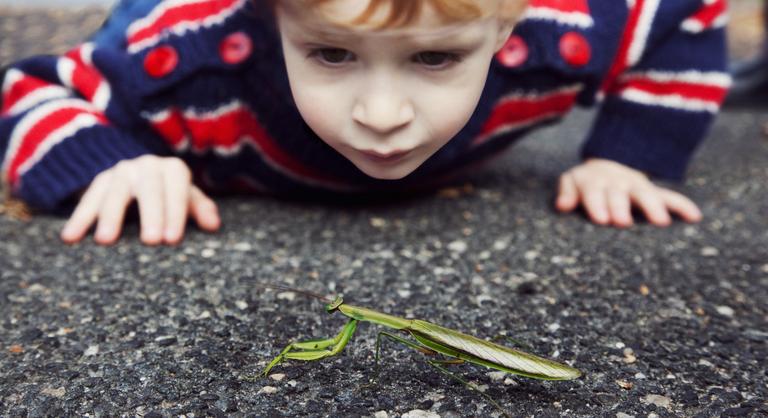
205	80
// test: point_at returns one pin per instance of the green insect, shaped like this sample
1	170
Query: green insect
430	339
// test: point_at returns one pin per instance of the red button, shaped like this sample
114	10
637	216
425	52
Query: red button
514	53
236	48
161	61
575	49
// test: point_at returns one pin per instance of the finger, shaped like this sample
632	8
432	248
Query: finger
681	205
112	212
150	195
650	202
568	194
86	211
177	194
595	203
204	210
620	208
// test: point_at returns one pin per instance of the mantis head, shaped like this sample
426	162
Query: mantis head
331	307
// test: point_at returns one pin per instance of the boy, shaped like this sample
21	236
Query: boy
342	96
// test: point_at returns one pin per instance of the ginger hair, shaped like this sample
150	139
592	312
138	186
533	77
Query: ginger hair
404	12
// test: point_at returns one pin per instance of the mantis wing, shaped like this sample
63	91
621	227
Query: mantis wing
486	353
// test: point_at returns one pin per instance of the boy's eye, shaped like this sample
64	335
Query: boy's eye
434	59
333	56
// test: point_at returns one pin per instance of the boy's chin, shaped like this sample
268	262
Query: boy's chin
386	173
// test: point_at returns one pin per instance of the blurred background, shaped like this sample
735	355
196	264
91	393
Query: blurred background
29	27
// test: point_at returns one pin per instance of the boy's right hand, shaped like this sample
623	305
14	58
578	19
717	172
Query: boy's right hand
166	197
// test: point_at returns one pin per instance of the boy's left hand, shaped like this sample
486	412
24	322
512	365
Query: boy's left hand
608	190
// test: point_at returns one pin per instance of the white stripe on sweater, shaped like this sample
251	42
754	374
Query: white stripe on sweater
643	29
672	101
577	19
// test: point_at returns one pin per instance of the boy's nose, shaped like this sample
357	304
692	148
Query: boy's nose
383	112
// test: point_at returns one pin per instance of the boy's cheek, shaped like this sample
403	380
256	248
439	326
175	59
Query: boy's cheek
320	113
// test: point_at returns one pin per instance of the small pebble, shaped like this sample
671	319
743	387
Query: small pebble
449	193
208	253
629	356
55	392
725	311
286	296
624	384
710	252
658	400
277	377
644	290
242	246
165	340
15	349
458	246
268	390
378	223
420	413
91	351
380	414
496	376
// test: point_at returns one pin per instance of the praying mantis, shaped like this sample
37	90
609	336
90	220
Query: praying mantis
430	339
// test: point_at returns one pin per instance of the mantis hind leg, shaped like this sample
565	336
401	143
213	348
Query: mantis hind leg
315	349
401	340
438	364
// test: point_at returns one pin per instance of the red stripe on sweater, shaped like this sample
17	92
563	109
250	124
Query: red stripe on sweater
707	15
687	90
185	13
85	78
620	63
524	109
40	132
20	89
226	132
567	6
171	128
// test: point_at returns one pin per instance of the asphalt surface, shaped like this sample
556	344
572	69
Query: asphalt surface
663	322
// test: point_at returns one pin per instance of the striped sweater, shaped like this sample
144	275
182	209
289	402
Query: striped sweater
205	80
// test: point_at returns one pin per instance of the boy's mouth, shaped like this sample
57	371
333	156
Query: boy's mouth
384	158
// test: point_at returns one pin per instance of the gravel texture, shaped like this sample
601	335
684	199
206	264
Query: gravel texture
664	322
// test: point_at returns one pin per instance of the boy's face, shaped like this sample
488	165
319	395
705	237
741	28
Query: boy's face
386	99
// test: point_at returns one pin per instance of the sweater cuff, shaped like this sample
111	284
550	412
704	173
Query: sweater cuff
71	166
654	140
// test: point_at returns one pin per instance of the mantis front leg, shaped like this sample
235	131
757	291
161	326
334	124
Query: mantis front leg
315	349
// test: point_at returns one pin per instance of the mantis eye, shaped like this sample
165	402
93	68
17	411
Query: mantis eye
331	307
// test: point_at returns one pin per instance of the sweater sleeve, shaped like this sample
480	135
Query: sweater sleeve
664	88
60	126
